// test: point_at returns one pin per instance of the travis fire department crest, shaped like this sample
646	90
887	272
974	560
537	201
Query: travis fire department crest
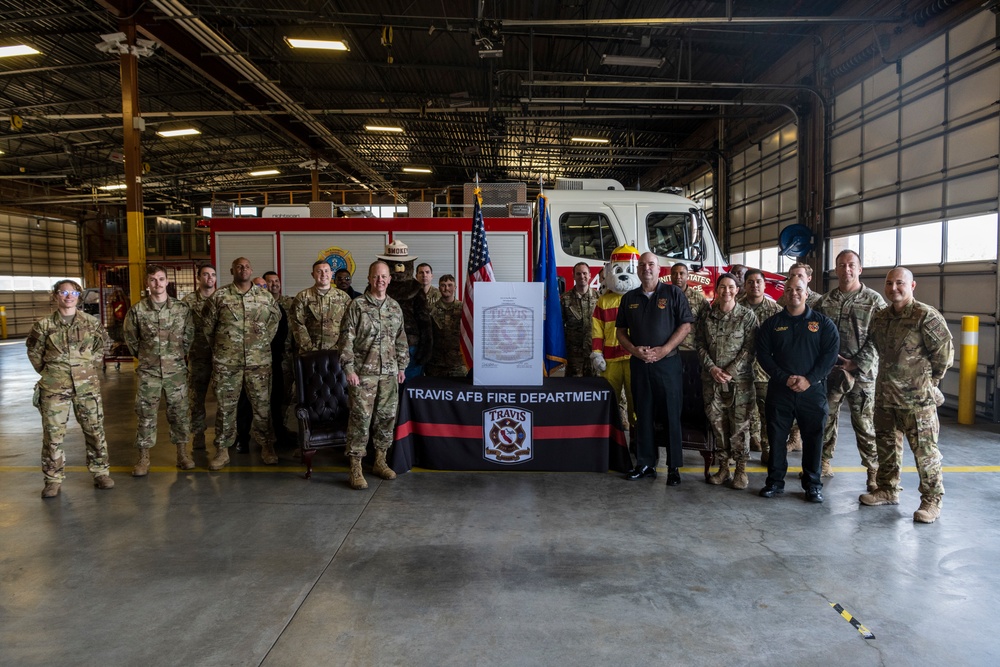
507	435
507	334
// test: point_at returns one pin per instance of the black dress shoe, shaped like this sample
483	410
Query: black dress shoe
770	491
640	472
673	477
814	495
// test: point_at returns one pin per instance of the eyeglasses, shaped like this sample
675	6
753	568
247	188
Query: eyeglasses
68	292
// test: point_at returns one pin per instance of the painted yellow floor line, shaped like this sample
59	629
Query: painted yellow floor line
126	470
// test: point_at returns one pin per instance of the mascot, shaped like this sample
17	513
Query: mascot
608	358
406	290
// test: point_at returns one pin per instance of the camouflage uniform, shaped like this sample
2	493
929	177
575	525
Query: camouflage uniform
433	296
852	313
373	345
69	357
240	327
726	340
315	318
915	350
160	335
699	304
577	311
199	364
758	423
446	356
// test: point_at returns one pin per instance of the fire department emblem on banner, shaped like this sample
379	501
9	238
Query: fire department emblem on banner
507	435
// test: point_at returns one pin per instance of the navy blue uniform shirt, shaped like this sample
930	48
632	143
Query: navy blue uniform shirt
805	345
651	321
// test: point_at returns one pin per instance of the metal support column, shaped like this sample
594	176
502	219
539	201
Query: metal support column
132	125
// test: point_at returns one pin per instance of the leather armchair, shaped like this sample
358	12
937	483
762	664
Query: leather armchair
695	430
322	408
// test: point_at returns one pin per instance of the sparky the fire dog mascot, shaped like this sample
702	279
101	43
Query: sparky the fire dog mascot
608	357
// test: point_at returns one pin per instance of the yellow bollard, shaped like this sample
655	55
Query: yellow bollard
968	367
3	322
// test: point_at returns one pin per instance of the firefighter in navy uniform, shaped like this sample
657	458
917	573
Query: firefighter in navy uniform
796	347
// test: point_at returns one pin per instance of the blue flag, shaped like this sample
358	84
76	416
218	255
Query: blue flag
553	336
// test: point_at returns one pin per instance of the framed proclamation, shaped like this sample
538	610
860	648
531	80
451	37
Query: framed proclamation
507	334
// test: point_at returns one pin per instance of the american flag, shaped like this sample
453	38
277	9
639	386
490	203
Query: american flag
480	270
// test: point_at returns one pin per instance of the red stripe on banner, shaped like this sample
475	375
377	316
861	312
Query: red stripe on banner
567	432
428	429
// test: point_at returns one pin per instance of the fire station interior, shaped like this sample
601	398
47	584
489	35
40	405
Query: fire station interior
125	125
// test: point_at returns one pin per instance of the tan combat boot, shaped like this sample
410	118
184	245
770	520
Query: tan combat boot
827	470
51	489
199	441
104	482
141	467
220	460
754	445
928	513
381	468
765	452
879	497
722	475
795	439
872	484
357	480
267	454
184	461
740	480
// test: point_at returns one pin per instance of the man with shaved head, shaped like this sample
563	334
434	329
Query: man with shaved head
796	347
915	350
240	321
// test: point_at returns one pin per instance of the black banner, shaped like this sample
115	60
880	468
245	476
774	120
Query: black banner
567	424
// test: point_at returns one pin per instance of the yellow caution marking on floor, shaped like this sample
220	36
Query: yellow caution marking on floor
865	632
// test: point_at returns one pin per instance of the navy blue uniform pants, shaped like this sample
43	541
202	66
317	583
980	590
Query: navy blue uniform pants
657	395
808	407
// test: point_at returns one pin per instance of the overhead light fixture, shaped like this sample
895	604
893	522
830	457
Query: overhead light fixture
416	170
17	50
180	132
632	61
265	172
590	140
326	44
113	186
491	53
383	128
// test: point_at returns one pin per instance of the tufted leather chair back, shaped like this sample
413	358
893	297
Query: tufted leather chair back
322	409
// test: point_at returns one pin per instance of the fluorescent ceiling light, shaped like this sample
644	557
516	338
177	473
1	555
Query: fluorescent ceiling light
632	61
416	170
265	172
181	132
383	128
113	186
327	44
17	50
590	140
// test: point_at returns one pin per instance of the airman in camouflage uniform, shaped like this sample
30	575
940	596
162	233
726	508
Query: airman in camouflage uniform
679	275
915	350
158	331
763	306
851	306
425	276
577	311
318	311
446	319
200	354
725	341
374	355
241	319
67	349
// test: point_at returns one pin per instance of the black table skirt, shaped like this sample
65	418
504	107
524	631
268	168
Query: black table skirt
567	424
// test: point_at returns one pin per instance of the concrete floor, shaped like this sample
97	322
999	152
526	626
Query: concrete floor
257	566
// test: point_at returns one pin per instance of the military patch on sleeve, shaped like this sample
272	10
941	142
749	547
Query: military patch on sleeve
814	327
